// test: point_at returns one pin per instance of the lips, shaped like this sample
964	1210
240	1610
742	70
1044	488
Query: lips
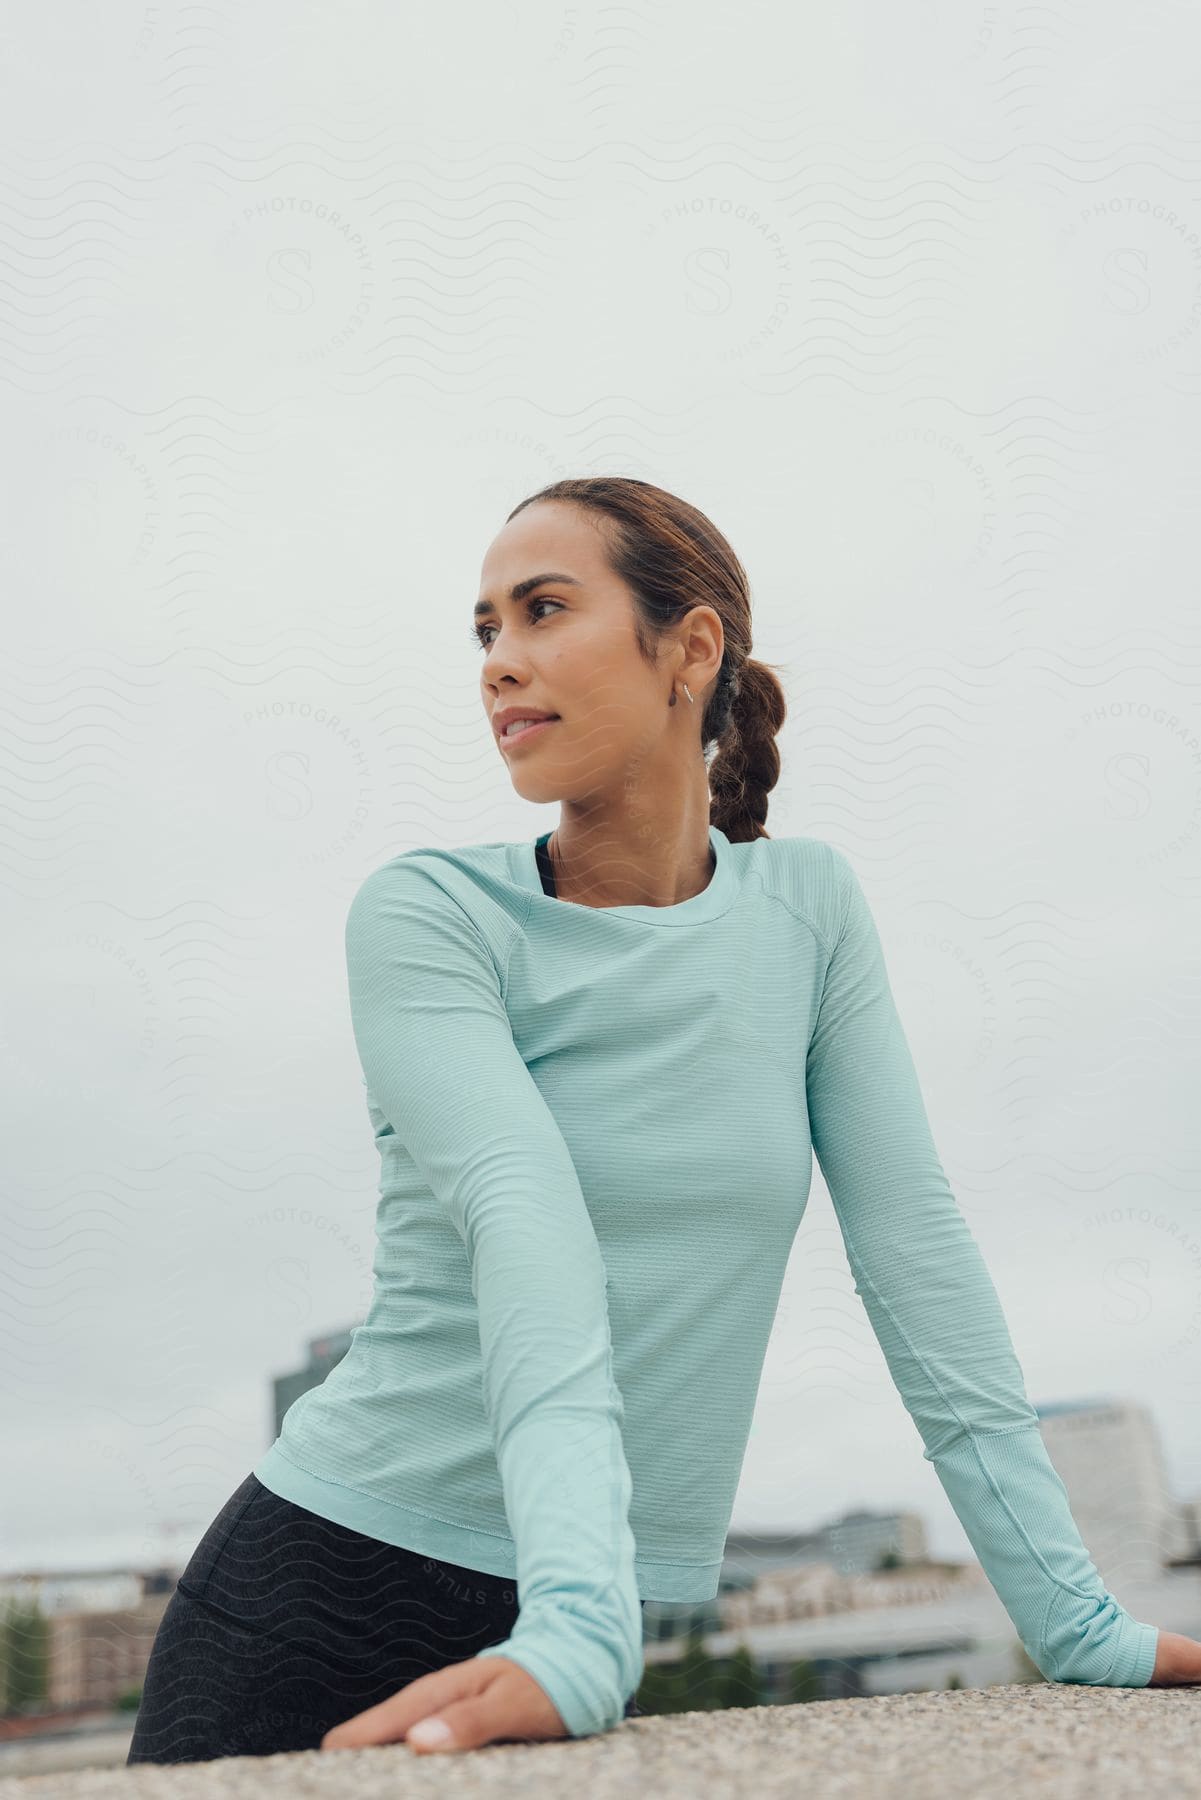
505	716
508	738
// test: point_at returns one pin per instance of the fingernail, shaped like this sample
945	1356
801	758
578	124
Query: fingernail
431	1734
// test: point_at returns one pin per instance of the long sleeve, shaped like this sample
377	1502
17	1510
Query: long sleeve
938	1319
437	1049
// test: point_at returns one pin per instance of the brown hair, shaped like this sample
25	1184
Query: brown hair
673	558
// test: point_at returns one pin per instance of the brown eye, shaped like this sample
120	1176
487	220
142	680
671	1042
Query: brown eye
477	631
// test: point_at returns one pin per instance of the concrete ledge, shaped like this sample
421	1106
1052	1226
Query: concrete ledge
1053	1738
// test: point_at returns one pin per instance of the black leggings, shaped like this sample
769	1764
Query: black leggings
284	1624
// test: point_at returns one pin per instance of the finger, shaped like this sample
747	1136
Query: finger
453	1727
387	1722
468	1724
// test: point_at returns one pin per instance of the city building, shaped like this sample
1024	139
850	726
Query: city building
96	1657
324	1354
1186	1537
65	1591
855	1543
817	1590
1107	1453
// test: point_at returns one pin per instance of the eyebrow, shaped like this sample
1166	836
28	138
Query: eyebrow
524	588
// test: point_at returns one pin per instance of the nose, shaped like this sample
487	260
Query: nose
500	662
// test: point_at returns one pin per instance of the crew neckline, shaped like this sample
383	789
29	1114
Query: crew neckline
711	900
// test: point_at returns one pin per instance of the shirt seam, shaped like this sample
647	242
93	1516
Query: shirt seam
1104	1680
965	1429
403	1506
979	1431
477	930
421	1512
530	895
518	929
803	918
1042	1634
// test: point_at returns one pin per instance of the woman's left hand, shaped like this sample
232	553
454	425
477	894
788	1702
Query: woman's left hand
483	1700
1177	1661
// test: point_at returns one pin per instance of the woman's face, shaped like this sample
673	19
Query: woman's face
567	646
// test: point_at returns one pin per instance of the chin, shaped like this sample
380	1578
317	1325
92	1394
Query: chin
542	792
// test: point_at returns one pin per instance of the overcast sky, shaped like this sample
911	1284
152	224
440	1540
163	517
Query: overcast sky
295	310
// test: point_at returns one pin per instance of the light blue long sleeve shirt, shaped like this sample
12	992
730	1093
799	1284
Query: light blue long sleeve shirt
596	1129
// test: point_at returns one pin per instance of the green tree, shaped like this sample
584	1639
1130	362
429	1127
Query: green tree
698	1682
804	1682
952	1680
129	1701
24	1656
742	1685
658	1691
700	1677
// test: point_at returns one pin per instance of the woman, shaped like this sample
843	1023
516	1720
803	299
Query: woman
579	1251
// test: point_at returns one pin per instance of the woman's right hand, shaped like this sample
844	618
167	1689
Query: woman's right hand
1177	1661
485	1700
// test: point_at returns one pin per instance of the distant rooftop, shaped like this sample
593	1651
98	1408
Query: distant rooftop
1097	1404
